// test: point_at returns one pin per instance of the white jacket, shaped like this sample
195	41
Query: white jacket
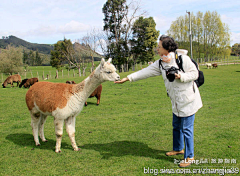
183	92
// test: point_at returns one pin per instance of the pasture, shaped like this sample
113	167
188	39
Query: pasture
128	133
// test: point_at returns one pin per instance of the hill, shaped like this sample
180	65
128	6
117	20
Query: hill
17	42
43	48
87	50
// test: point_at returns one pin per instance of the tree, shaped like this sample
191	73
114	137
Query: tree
38	59
91	44
118	23
25	56
31	58
114	12
144	39
210	36
236	49
11	60
64	51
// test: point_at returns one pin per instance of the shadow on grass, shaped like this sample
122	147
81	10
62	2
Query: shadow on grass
22	139
123	148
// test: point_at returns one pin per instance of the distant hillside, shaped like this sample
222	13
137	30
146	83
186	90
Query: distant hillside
87	50
17	42
42	48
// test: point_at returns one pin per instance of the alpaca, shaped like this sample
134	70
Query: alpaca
23	82
11	79
96	93
209	65
28	82
64	102
214	65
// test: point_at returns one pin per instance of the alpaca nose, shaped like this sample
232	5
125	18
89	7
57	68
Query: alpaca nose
118	78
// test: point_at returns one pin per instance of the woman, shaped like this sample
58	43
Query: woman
183	92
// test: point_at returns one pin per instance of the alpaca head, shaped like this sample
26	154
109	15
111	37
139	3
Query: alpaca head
108	71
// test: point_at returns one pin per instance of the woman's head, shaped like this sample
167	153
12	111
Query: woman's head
166	45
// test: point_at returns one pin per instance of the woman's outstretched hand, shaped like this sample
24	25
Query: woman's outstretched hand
122	81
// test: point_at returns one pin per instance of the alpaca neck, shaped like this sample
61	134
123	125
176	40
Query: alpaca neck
91	82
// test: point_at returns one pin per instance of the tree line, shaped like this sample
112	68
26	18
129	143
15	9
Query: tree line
127	37
210	36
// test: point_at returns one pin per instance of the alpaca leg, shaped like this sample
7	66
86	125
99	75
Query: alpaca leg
70	128
59	132
34	123
43	119
98	99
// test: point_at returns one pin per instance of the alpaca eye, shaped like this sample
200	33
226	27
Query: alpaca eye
108	72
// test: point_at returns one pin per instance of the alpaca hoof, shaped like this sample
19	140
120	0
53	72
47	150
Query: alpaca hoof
45	141
78	149
58	151
38	144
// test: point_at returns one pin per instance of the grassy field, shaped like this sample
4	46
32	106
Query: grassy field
128	133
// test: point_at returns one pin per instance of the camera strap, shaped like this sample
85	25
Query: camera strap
160	64
179	61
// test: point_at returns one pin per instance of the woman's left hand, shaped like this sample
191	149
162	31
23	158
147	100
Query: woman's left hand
177	76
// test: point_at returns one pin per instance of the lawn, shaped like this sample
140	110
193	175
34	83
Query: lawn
128	133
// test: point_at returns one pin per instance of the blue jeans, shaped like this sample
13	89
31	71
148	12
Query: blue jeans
183	133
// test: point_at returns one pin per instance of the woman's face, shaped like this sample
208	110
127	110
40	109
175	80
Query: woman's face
161	50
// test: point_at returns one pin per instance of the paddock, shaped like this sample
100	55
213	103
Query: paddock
130	130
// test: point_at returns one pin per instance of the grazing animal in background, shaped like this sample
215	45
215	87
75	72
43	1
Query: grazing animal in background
23	82
96	93
12	79
70	82
209	65
214	65
28	82
64	102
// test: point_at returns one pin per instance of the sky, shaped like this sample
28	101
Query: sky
48	21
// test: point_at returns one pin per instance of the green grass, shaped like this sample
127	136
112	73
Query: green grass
130	130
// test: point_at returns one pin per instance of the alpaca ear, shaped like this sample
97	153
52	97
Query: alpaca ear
109	60
102	62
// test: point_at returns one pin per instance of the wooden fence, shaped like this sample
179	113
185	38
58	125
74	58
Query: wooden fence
44	74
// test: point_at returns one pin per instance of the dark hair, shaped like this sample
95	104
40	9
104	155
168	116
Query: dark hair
168	43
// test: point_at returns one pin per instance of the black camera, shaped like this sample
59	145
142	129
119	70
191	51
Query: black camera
170	73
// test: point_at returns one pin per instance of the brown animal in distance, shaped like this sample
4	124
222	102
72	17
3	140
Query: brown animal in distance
28	82
11	79
96	93
215	65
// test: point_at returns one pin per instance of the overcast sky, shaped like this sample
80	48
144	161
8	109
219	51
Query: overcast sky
47	21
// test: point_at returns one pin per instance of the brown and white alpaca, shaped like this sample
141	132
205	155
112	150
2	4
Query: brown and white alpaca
64	102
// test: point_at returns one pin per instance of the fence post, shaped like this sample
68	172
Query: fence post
37	75
56	77
43	75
